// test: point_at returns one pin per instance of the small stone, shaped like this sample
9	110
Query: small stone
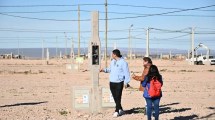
86	116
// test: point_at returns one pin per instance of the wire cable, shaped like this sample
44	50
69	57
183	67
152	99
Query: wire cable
119	18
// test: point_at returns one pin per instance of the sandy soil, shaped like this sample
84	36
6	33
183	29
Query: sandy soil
32	90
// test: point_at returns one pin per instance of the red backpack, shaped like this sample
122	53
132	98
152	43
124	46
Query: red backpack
155	87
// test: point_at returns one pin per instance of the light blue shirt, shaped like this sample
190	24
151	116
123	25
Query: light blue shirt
119	71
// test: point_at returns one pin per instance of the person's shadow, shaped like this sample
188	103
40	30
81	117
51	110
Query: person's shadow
139	110
21	104
142	110
166	109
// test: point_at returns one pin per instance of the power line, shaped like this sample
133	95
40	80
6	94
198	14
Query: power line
41	18
171	38
122	30
120	18
153	7
212	33
60	11
54	11
50	5
158	14
53	31
205	28
122	5
171	31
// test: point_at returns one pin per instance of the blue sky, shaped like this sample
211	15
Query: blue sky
31	32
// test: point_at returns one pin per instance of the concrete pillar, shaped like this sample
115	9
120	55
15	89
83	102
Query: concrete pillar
95	61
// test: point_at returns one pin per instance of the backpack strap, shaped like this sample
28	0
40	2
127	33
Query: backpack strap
154	77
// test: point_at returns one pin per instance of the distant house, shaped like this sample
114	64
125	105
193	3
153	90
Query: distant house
166	56
7	56
180	56
10	56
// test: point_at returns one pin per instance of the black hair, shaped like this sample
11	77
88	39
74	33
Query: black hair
154	72
147	59
117	53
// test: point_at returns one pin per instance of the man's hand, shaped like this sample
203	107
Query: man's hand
126	85
101	70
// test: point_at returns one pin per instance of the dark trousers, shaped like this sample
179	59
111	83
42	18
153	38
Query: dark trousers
116	90
155	102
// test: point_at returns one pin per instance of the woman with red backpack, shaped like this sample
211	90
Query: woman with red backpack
152	91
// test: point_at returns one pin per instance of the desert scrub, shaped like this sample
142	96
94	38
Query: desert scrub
187	71
182	71
63	112
191	71
142	110
41	71
163	70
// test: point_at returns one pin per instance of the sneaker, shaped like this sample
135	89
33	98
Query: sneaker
121	112
116	114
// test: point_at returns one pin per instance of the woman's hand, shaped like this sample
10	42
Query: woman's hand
135	77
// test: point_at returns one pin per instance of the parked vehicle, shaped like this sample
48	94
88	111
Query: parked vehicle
203	59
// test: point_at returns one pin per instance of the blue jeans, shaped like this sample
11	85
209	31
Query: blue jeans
155	102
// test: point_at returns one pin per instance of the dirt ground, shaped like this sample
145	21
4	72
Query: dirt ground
32	90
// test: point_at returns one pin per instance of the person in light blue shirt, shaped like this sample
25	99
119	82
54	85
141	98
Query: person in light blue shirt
119	77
